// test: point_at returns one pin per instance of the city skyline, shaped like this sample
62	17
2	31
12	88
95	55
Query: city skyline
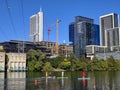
15	16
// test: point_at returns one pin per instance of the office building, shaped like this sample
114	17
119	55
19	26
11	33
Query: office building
71	32
36	27
85	33
112	37
108	23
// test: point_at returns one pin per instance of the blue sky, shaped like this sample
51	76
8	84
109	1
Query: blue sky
15	20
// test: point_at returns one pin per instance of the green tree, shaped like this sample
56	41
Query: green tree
90	65
73	61
96	64
117	65
31	55
65	65
103	65
47	67
111	63
40	56
35	60
31	65
56	61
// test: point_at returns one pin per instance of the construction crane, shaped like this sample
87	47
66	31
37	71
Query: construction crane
49	30
57	46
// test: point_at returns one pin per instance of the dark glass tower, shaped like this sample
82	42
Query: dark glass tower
85	33
71	32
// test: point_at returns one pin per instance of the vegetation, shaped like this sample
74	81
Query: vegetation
37	61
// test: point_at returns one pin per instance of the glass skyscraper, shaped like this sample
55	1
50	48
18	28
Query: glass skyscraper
71	32
85	33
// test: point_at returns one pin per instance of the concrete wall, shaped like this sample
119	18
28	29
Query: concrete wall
17	61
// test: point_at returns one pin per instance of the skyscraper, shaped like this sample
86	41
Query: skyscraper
85	33
71	32
36	27
107	22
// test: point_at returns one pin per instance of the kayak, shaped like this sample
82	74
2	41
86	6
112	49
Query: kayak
87	78
62	77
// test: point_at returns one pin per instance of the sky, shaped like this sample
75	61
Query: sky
15	16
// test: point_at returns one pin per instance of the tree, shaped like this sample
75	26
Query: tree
31	55
117	65
40	56
56	61
73	61
47	67
111	63
65	65
35	60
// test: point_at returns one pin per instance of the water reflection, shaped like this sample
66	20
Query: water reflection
37	81
13	81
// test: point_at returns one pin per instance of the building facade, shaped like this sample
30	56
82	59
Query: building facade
85	33
65	49
17	61
71	32
49	45
2	61
36	27
107	24
112	37
13	46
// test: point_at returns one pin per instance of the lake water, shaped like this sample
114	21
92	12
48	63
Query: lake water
99	80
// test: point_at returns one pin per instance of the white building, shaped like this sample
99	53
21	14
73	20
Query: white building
2	61
92	50
112	37
108	23
17	61
36	27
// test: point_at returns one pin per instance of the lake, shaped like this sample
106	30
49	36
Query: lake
98	80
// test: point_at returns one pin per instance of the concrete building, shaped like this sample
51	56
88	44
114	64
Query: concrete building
2	61
92	50
49	45
13	46
85	33
102	52
65	49
17	61
108	23
36	27
112	37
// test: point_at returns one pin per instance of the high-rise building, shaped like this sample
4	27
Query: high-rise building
71	32
36	27
85	33
107	24
112	37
